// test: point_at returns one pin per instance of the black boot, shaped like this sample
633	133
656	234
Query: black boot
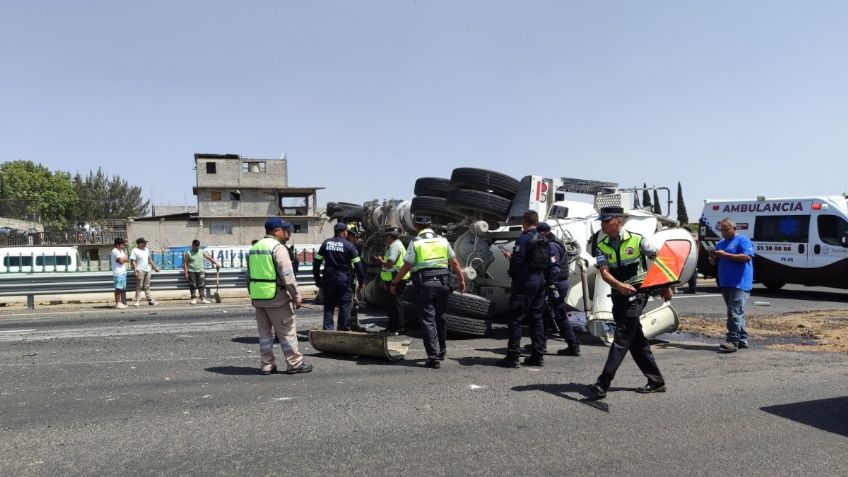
510	361
572	350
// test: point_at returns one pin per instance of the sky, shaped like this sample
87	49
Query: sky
733	98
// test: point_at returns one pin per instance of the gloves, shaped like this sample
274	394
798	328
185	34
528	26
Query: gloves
553	293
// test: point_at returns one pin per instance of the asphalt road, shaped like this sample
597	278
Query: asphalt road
174	390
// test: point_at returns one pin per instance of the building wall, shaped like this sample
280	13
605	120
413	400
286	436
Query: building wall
251	202
21	224
228	173
163	234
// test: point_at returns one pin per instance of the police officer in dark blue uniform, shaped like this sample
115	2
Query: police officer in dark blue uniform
557	289
527	265
341	261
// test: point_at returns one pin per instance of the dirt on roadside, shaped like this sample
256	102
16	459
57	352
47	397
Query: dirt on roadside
826	330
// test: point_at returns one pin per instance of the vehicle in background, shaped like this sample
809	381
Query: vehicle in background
39	259
802	240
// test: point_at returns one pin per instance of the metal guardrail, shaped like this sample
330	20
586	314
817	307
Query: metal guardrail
32	284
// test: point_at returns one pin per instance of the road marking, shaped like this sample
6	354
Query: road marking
16	331
683	297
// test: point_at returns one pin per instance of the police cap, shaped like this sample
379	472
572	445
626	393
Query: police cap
393	231
423	220
609	213
339	227
543	227
277	223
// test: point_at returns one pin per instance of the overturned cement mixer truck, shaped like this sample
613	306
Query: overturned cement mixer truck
480	212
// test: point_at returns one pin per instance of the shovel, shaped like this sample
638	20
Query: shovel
217	295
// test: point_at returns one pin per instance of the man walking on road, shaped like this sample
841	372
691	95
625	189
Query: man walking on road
620	258
273	289
733	256
142	264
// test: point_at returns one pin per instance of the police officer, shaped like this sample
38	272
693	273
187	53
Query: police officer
620	256
556	282
430	256
273	290
527	265
341	261
391	261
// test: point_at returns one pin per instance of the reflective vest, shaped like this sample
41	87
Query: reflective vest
386	274
430	253
624	262
263	272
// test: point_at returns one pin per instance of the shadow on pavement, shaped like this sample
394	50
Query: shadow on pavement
234	370
584	396
829	415
477	361
689	346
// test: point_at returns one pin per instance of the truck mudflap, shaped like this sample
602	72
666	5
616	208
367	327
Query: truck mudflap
373	345
662	319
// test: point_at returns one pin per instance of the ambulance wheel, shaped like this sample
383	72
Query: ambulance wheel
774	285
473	202
435	207
474	306
466	325
485	181
432	187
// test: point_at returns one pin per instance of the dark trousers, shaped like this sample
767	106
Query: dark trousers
394	307
337	292
432	301
560	315
527	302
629	337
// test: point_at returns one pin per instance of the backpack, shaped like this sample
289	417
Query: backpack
538	255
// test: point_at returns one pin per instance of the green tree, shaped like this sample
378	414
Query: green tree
103	197
646	197
636	200
50	195
682	216
657	209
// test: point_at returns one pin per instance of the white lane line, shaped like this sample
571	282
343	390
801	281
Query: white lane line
16	331
100	309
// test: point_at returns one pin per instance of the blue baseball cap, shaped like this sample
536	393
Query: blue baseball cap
339	227
543	227
277	223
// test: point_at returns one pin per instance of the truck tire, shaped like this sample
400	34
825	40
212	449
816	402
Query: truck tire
465	325
434	207
773	285
432	187
485	181
347	215
471	202
473	306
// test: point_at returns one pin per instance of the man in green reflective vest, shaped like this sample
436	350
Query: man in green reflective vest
391	261
620	257
273	290
430	257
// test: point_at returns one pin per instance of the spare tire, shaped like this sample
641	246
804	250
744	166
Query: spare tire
464	325
469	202
474	306
434	207
432	187
484	180
347	215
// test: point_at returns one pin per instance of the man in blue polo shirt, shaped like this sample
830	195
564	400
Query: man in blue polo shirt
734	255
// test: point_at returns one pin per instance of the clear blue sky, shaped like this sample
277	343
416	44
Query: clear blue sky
732	98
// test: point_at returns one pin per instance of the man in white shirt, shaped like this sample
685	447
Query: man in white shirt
119	270
142	264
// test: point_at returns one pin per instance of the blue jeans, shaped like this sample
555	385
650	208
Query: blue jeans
735	300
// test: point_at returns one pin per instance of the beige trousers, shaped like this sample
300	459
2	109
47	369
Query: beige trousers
143	283
281	319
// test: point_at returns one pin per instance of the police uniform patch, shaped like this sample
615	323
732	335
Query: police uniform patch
629	250
553	259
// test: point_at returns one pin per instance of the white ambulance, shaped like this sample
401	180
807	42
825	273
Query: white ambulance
800	240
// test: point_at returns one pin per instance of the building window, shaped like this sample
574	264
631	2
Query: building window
216	195
210	168
221	229
252	166
235	195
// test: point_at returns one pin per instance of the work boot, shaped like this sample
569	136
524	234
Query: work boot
535	360
572	350
651	388
529	349
442	355
268	370
303	368
727	347
433	363
597	390
509	362
742	345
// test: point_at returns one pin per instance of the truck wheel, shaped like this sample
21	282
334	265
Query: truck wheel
473	306
773	286
432	187
484	180
471	202
434	207
465	325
